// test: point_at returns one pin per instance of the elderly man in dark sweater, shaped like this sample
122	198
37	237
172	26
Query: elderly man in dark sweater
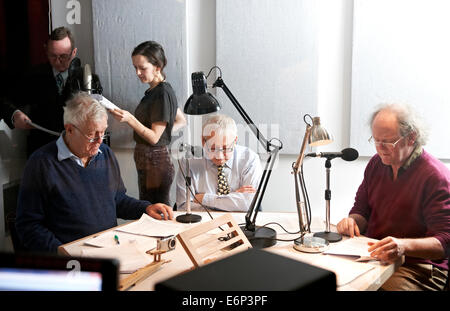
72	187
404	200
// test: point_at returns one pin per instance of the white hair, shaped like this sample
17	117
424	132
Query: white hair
219	125
408	120
81	108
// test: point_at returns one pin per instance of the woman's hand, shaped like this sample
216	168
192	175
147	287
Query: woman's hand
122	115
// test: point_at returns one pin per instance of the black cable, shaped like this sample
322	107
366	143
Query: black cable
214	67
307	203
275	223
276	239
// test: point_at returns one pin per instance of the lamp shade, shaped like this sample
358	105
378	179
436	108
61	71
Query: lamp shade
200	102
319	135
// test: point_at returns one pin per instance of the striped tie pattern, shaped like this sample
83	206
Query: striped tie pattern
59	82
222	183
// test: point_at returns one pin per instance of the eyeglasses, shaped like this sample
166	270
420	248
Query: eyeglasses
92	140
226	150
389	146
61	57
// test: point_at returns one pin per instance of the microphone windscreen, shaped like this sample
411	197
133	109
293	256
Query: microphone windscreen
349	154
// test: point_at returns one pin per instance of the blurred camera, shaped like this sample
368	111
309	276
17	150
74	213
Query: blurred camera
166	244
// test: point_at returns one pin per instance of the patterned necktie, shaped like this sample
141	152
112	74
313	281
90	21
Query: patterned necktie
222	183
59	82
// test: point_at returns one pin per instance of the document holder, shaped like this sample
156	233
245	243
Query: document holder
212	240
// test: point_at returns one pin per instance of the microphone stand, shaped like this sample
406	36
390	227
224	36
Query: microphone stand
259	236
327	234
188	217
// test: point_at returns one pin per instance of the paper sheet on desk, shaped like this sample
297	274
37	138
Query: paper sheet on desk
107	240
346	270
131	257
354	247
149	226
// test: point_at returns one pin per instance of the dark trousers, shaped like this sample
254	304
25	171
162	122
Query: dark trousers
155	172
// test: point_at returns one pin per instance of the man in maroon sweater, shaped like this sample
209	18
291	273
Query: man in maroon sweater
404	201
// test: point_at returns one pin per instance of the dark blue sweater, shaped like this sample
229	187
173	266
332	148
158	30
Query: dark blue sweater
60	201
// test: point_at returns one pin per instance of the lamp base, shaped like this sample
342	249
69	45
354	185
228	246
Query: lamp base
310	244
188	218
329	236
262	237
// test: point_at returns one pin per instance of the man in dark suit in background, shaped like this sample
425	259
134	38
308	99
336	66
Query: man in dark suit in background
40	96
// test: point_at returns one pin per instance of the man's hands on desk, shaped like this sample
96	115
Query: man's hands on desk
387	250
243	189
160	211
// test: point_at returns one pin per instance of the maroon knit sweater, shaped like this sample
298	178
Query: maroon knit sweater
416	205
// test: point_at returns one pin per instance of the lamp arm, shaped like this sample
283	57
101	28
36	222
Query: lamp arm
220	83
297	166
302	208
250	217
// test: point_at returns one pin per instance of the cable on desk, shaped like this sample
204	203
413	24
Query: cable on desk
276	239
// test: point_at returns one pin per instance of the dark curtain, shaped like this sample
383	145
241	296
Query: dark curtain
24	28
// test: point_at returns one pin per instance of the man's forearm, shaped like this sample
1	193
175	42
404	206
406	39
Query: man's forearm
429	248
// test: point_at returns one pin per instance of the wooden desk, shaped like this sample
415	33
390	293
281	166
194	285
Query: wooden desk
345	268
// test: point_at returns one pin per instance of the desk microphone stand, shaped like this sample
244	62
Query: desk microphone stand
188	217
327	234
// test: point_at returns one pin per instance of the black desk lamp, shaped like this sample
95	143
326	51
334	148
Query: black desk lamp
201	102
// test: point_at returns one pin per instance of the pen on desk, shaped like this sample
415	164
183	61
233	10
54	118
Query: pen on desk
116	238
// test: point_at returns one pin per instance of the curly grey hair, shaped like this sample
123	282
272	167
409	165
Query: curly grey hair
408	120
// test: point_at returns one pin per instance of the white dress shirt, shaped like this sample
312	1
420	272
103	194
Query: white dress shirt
242	169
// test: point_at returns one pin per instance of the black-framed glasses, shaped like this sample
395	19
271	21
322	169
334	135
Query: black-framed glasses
92	140
389	146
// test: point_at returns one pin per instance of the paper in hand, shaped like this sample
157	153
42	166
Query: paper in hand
38	127
104	102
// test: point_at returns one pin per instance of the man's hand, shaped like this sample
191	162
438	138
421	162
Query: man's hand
349	227
21	121
160	211
387	250
199	198
246	189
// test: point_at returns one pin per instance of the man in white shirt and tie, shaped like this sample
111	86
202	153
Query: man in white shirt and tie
227	175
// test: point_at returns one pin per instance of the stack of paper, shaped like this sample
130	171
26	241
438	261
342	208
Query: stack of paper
131	258
107	239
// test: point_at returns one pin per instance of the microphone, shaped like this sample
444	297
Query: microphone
87	79
347	154
74	65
